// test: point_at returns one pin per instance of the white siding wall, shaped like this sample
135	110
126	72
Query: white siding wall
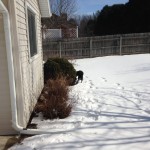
31	69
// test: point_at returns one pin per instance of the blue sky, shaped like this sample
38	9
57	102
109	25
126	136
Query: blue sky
86	7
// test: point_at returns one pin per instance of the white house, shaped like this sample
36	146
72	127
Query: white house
21	61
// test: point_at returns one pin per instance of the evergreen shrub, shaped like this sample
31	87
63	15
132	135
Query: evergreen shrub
55	67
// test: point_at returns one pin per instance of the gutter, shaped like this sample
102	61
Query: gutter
12	85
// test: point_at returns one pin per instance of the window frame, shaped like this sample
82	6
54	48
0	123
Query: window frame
30	8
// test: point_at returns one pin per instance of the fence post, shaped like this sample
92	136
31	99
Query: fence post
77	32
60	33
120	45
60	49
91	48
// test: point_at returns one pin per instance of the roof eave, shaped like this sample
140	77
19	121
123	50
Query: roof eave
45	8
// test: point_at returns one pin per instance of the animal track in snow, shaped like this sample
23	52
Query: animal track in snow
119	86
104	79
137	94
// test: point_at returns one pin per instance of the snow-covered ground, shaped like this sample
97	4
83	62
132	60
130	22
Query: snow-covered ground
111	111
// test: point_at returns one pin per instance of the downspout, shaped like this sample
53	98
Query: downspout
7	31
15	124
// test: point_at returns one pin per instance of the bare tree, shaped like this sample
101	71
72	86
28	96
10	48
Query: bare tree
68	7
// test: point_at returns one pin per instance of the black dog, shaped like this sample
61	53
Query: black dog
79	75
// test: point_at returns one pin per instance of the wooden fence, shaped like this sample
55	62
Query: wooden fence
85	47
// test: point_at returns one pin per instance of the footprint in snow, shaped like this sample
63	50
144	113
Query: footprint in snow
137	94
119	86
91	84
104	79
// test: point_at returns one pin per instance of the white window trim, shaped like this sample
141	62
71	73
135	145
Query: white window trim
29	7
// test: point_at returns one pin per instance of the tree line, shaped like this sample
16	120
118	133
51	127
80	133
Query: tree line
132	17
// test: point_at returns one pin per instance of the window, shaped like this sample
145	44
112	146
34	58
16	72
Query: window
32	33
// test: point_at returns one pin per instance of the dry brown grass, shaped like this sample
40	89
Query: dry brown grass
54	100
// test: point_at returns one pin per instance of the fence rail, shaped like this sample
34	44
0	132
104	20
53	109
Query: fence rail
124	44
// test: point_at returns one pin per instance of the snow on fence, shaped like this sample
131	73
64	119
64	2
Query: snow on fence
85	47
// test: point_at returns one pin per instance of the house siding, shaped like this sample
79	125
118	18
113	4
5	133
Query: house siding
5	108
31	69
28	72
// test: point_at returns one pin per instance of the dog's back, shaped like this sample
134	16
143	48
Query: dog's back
79	74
